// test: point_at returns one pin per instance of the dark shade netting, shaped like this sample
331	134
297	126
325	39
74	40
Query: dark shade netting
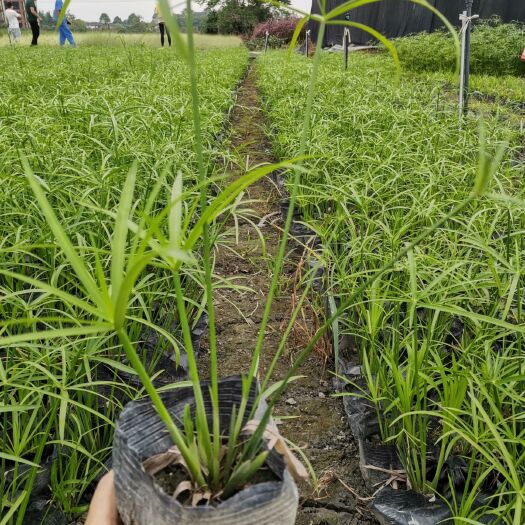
395	18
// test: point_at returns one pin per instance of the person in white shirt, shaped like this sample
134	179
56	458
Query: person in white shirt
12	18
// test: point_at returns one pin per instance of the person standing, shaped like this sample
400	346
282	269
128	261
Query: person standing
64	33
162	26
12	18
34	20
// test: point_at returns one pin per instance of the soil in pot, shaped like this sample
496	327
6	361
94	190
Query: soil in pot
171	478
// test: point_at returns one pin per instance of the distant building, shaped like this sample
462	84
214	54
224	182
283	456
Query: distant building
18	5
98	26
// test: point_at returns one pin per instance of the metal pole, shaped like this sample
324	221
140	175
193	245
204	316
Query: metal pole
466	84
307	41
346	43
266	41
462	17
466	22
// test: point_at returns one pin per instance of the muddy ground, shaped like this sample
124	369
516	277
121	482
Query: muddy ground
319	425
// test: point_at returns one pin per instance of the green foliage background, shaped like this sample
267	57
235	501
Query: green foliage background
496	49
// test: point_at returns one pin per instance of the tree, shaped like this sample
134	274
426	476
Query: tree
78	26
135	24
133	19
104	19
117	20
237	17
210	23
198	21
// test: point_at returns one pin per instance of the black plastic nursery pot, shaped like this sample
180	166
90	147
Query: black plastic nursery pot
140	434
407	507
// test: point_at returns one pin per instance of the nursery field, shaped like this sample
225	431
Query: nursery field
439	334
144	253
80	120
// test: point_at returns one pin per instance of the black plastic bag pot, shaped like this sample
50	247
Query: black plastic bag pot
407	507
285	206
376	459
140	434
360	412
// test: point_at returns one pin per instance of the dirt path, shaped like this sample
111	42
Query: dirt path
319	426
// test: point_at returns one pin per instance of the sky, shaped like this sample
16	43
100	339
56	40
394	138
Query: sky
90	10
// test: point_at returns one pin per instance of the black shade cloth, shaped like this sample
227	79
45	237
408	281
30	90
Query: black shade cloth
395	18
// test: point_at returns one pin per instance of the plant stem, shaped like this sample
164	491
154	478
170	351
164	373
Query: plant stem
206	251
201	417
162	411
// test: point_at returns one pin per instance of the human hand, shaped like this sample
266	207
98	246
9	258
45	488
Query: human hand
103	508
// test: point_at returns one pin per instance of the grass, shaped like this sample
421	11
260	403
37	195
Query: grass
81	122
440	333
495	50
109	39
506	90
